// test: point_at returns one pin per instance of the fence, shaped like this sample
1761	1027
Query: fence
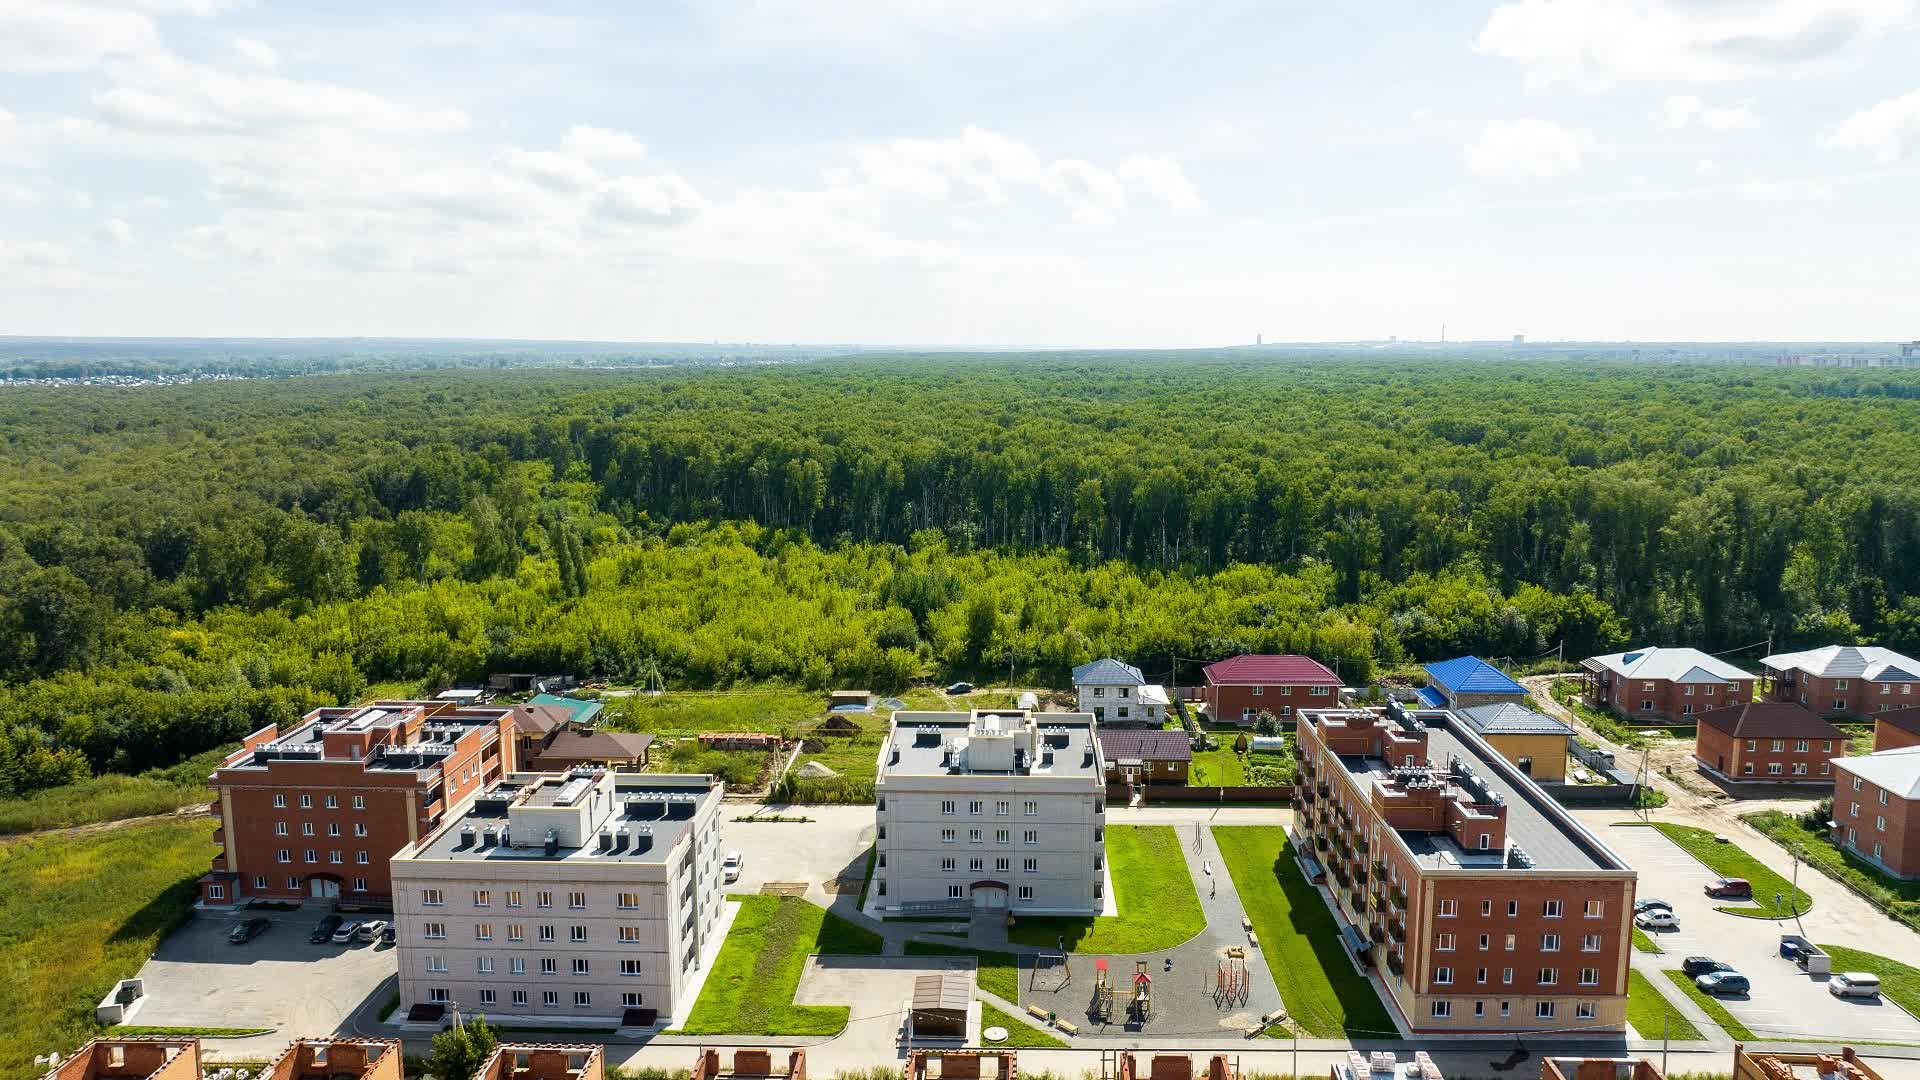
1162	793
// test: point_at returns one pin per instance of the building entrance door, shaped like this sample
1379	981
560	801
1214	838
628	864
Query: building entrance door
324	888
989	897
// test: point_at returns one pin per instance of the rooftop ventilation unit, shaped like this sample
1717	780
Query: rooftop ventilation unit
466	836
621	838
606	841
552	843
489	837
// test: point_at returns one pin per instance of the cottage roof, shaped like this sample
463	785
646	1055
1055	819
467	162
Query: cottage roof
1472	675
1849	662
1253	669
1145	745
1107	672
1506	718
594	746
1769	720
1671	665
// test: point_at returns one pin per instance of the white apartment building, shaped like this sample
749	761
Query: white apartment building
1116	694
580	897
994	809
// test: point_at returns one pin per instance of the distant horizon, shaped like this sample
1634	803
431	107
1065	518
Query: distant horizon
1508	343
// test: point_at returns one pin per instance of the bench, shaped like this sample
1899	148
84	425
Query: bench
1038	1012
1067	1027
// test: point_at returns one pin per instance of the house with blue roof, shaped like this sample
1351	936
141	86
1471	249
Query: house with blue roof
1466	681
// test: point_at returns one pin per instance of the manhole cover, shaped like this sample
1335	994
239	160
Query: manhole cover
995	1034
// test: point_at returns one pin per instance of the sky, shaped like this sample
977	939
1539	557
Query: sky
962	172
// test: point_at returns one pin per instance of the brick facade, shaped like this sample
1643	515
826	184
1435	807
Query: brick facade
1896	729
1844	697
1768	741
1666	699
1876	824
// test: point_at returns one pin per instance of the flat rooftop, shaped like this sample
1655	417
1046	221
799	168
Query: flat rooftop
435	739
937	744
655	811
1549	836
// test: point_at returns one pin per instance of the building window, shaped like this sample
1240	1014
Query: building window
1549	942
279	828
1506	976
1259	691
577	935
1002	864
1031	866
1031	836
549	966
1026	894
1510	942
1590	943
1753	744
1031	808
1883	798
1589	976
550	998
1002	808
1443	976
483	898
546	933
949	807
1800	746
973	836
513	898
1595	909
1583	1011
313	856
1444	943
483	965
1775	768
1549	976
1747	770
577	901
543	899
483	931
1543	1010
1550	910
1513	909
631	999
976	807
216	892
489	997
516	932
285	856
955	892
306	802
1880	824
361	858
1689	693
1003	836
947	865
359	802
580	966
517	965
947	836
439	995
359	828
433	931
629	967
1485	941
1442	1010
360	883
518	997
1447	909
1480	975
306	828
259	881
1799	768
1479	1009
1486	907
976	865
280	802
1779	745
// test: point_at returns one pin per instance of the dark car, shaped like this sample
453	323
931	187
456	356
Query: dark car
387	935
960	688
1729	888
1649	903
323	930
1723	982
247	931
1696	966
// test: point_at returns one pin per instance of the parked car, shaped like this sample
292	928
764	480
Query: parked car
960	688
372	929
248	930
1858	984
1723	982
323	930
387	935
344	933
1656	919
730	866
1648	903
1697	966
1731	888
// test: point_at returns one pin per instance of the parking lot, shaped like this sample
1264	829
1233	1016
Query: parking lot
1785	1002
829	852
196	978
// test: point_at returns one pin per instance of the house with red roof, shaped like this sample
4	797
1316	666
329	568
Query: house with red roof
1240	688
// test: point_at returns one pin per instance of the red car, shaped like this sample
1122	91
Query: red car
1730	888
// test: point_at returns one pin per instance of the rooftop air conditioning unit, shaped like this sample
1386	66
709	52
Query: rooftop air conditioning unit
552	843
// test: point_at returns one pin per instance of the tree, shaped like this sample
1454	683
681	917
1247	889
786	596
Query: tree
1240	743
458	1052
1265	723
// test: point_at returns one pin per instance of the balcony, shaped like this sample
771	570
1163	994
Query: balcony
1378	933
1395	964
1380	870
1399	898
1397	930
1362	845
1378	902
1323	788
1305	795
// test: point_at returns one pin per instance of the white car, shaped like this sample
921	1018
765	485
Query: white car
1656	919
730	867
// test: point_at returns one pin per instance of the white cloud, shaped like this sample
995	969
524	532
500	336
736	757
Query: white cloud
1597	42
1525	149
560	172
17	193
648	200
115	232
1888	130
39	37
1163	178
602	144
34	255
257	52
1685	110
880	19
1092	193
166	95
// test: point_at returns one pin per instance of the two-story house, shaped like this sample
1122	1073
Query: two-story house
1664	684
1767	740
1874	808
1116	694
1845	680
1238	689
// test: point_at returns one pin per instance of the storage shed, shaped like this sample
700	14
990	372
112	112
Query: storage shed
940	1003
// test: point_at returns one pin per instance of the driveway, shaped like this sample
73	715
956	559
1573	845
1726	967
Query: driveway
1785	1003
279	980
828	853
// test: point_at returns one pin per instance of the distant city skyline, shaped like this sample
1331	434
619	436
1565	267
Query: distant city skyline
1091	173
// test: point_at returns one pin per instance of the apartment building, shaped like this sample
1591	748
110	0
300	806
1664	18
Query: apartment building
991	810
337	1059
1468	681
1118	695
136	1058
1767	740
1897	728
1486	906
1876	808
590	896
1240	688
1845	680
543	1061
1664	684
316	811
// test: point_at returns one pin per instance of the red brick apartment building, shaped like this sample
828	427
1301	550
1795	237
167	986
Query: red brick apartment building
1893	730
1239	688
316	812
1767	740
1874	808
1664	684
1845	680
1484	904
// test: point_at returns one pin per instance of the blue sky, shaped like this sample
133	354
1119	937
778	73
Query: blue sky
1046	172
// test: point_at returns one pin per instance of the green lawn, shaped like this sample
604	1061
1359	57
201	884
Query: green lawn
1298	937
999	972
1217	768
775	710
78	914
1647	1010
1735	1030
112	797
1729	860
1899	983
1019	1035
1899	899
1152	889
750	991
1644	943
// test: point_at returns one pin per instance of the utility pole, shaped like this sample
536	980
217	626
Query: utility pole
1664	1018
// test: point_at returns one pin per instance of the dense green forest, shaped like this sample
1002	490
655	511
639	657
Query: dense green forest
181	564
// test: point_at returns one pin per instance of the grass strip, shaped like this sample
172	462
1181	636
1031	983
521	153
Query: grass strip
1299	938
999	972
1899	983
1730	860
1646	944
1152	890
750	990
132	1030
1652	1015
1735	1030
1898	899
1019	1034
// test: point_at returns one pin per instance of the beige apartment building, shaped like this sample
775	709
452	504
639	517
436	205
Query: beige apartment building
580	897
990	810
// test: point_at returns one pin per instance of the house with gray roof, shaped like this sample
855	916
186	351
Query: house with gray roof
1117	694
1534	742
1670	684
1844	680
